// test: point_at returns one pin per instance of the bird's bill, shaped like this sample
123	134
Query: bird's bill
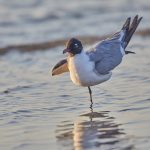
66	50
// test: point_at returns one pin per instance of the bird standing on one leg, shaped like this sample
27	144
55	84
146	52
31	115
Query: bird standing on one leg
90	92
89	68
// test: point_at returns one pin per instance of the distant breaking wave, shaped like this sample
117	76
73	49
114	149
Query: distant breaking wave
51	44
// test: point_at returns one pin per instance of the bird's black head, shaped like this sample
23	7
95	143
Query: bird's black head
73	47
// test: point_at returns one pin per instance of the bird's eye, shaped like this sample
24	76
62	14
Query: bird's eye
76	45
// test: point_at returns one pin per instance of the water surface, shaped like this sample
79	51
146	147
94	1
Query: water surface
38	111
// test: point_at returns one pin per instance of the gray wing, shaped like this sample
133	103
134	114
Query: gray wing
106	54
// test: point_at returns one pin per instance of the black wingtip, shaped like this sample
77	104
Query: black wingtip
126	24
129	52
140	19
131	29
53	71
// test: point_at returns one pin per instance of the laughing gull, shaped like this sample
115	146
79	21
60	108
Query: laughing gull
92	67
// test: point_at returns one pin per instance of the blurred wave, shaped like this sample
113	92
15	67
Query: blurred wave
35	21
55	43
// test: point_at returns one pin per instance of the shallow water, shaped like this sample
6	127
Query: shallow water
38	111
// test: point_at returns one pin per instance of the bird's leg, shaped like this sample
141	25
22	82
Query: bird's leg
90	92
91	108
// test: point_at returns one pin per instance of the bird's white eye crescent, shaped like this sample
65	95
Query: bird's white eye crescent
76	45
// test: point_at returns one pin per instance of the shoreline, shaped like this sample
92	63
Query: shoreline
51	44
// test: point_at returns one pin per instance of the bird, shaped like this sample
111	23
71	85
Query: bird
94	66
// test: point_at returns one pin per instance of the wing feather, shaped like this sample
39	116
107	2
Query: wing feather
107	54
60	67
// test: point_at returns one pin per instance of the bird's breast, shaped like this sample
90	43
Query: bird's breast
82	71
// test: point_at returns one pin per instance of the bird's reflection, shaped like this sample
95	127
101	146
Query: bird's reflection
91	130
